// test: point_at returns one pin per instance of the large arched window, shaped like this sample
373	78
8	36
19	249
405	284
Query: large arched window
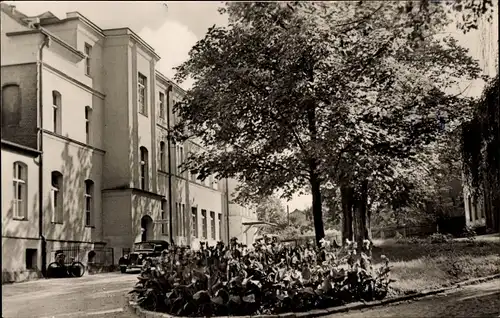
88	120
162	156
89	202
11	105
144	168
56	111
57	196
20	196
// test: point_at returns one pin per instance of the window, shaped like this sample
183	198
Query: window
219	217
89	190
20	196
212	224
11	105
142	94
163	217
88	53
179	158
181	154
179	218
476	209
203	224
162	105
144	168
57	196
194	222
56	111
162	155
183	218
31	258
88	114
469	201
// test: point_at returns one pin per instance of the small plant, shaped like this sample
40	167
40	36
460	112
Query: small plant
268	278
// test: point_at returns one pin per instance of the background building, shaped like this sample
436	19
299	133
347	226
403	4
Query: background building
86	160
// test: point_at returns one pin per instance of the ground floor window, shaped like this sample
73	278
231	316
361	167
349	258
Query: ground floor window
31	258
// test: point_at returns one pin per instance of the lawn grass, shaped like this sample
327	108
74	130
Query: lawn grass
423	265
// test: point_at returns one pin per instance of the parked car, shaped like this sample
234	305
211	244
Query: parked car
140	252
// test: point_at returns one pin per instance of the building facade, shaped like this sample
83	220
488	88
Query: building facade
85	118
243	222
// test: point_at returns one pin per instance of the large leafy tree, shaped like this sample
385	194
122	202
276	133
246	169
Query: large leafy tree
303	94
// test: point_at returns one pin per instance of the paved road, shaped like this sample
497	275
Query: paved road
481	300
101	295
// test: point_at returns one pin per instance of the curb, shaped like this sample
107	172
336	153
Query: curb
133	307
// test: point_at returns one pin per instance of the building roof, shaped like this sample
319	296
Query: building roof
19	148
26	21
48	18
167	80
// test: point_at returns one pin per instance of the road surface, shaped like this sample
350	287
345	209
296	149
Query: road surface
101	295
104	295
481	300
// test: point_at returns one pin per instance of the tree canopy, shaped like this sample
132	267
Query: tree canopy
304	94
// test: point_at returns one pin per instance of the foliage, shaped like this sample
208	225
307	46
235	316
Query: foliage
469	12
269	278
480	151
409	240
440	238
469	233
296	94
270	209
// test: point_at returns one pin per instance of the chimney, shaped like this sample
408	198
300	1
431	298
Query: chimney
12	8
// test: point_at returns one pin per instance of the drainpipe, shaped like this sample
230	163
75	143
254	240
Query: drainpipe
40	148
169	156
227	211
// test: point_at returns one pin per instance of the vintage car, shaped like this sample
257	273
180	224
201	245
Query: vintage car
140	252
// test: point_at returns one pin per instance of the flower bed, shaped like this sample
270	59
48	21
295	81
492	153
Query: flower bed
270	278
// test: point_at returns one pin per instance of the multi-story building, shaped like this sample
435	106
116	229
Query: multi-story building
86	159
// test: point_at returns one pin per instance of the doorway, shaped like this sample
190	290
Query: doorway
146	228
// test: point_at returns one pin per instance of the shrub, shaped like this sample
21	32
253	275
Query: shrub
409	240
469	233
269	278
440	238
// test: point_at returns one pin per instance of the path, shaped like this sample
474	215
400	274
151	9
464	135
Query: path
481	300
100	295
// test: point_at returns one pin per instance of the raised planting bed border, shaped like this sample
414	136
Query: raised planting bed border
134	308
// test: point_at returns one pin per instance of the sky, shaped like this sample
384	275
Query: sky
173	29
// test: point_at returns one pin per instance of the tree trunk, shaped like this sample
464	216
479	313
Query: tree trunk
316	209
360	214
487	206
495	211
368	226
347	194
